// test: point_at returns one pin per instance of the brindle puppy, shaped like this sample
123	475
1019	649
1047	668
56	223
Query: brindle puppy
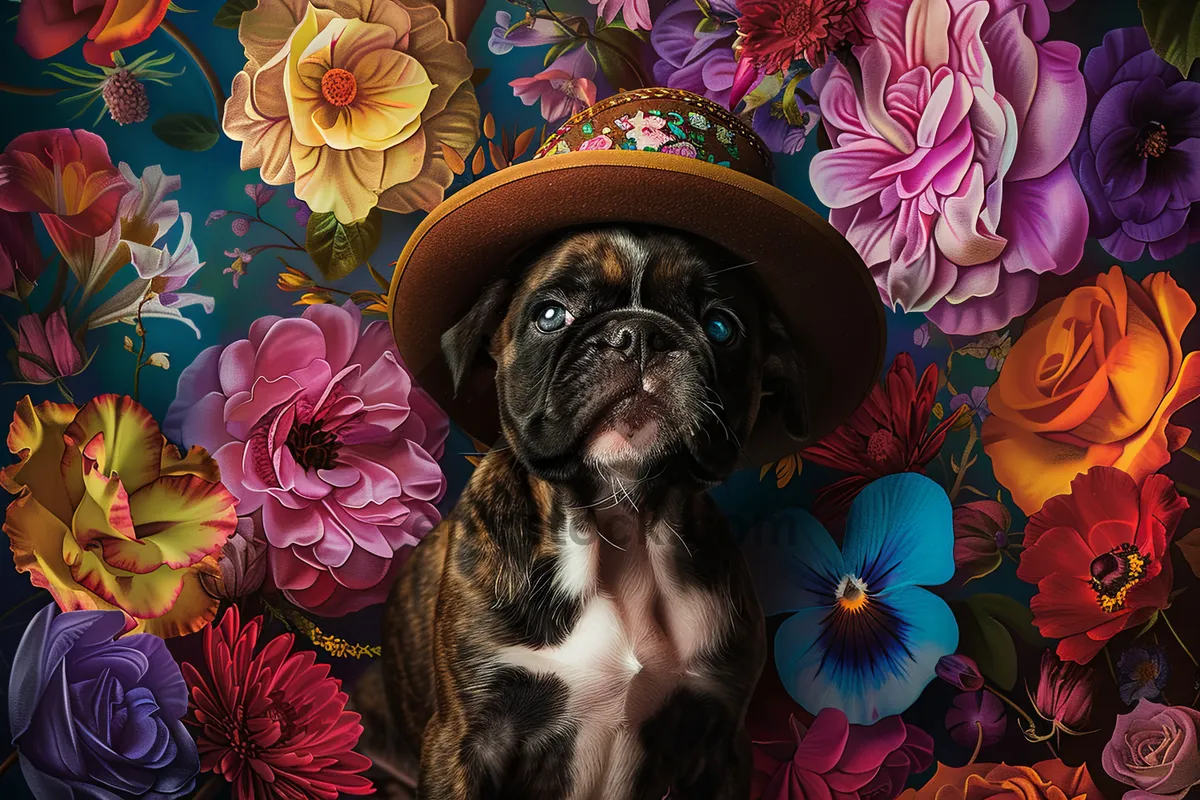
583	625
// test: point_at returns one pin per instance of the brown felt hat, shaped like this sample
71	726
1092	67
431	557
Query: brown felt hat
652	156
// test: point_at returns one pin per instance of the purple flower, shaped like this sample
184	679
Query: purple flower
85	708
1138	157
237	252
213	216
960	672
260	193
697	62
976	401
976	714
43	346
921	335
772	125
303	212
1144	672
241	226
531	33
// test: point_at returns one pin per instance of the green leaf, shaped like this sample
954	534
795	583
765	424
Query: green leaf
766	91
337	249
559	49
383	282
1174	30
986	623
616	52
230	14
195	132
707	25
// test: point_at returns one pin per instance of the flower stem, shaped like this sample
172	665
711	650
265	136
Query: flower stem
1111	669
1190	491
141	332
210	788
978	743
1171	628
1024	714
258	214
209	73
8	762
1190	451
28	91
962	464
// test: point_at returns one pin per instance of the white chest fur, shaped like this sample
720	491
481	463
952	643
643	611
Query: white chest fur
641	634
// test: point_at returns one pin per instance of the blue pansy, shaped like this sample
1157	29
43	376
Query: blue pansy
863	636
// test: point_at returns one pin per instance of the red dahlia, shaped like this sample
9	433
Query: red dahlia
275	725
1099	558
774	33
889	433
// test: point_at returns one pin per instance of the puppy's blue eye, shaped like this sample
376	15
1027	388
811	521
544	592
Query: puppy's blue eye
719	328
552	317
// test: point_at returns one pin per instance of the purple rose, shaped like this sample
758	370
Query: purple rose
1154	749
85	708
697	62
1138	156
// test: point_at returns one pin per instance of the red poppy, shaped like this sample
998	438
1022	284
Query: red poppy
1099	558
275	725
889	433
776	32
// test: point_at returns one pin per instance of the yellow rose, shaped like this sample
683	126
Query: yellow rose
1093	381
353	101
108	515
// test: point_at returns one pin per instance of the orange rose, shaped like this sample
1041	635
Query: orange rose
1093	381
1046	780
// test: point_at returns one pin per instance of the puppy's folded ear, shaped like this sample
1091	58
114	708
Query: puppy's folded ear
784	389
463	345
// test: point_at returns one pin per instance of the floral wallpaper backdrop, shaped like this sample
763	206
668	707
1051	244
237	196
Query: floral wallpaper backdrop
217	460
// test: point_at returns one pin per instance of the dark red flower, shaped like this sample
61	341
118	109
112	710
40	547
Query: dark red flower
889	433
1099	558
776	32
275	725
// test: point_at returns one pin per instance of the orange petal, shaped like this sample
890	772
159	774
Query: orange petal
1035	468
1175	310
132	440
1149	451
36	437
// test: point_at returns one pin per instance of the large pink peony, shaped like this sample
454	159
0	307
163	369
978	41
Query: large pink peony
949	169
321	432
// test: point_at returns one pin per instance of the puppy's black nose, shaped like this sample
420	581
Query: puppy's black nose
636	339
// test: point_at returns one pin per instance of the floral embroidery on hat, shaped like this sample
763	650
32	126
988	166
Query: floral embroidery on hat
646	131
724	135
600	142
697	121
686	149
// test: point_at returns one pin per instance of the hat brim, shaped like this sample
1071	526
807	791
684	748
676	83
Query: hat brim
821	288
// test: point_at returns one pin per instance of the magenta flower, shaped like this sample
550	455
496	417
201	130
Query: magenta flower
19	252
956	189
45	350
564	89
834	758
320	430
960	672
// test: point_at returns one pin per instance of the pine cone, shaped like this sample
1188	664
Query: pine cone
126	98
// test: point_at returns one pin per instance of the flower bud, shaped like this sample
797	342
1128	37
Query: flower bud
1064	693
980	531
960	672
46	351
243	563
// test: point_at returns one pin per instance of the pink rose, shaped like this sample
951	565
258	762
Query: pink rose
685	149
320	429
835	758
601	142
1154	749
949	174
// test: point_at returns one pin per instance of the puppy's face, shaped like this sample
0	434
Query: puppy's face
634	352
